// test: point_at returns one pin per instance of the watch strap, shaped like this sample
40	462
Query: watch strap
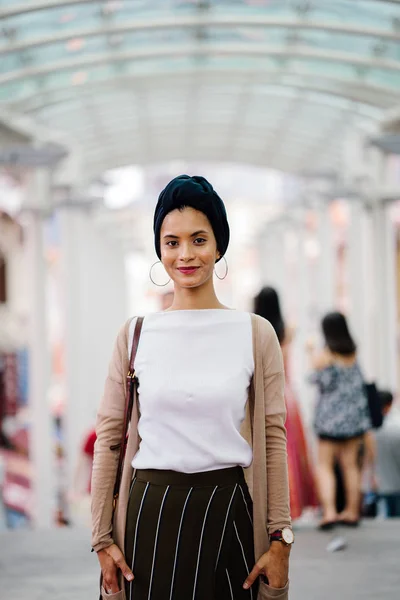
278	536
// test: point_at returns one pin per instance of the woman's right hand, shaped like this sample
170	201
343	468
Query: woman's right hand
111	559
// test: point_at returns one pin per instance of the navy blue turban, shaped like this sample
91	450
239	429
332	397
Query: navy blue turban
199	194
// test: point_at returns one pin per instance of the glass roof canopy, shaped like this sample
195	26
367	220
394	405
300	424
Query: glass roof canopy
271	82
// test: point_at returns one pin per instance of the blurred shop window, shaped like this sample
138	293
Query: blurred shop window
3	280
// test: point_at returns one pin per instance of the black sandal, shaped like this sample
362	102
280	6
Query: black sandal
348	523
327	525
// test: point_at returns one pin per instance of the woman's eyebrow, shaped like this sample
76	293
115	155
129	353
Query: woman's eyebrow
176	237
202	231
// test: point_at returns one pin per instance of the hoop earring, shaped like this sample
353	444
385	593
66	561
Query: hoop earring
151	278
226	272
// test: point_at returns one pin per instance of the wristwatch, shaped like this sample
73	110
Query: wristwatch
285	535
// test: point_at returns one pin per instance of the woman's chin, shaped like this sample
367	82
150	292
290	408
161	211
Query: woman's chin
188	282
186	285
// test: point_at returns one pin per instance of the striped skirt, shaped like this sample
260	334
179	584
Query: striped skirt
189	537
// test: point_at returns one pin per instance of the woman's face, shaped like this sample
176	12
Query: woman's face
188	247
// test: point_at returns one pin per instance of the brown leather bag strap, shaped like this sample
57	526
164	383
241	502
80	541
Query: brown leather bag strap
131	390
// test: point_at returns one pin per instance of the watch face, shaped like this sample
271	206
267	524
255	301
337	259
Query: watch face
287	535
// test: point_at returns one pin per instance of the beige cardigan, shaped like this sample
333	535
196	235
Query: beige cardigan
263	428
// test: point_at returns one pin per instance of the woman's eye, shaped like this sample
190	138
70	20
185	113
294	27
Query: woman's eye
172	244
200	240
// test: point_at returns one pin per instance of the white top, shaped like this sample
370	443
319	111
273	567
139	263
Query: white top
194	369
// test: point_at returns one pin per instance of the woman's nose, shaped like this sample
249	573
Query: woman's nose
186	252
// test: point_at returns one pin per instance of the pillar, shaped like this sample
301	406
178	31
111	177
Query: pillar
41	435
273	261
303	326
383	243
95	309
362	288
326	264
386	296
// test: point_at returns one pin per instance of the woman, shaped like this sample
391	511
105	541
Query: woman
301	481
341	420
211	413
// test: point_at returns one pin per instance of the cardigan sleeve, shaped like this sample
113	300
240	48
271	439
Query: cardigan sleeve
278	504
109	425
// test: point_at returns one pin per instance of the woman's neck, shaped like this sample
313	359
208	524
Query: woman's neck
195	299
344	359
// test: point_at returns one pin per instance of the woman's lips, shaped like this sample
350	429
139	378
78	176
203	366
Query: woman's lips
188	270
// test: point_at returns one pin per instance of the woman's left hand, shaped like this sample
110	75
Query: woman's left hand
274	565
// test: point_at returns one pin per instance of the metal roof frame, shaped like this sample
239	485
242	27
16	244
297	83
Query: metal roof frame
209	49
26	7
195	21
204	154
114	118
266	77
194	76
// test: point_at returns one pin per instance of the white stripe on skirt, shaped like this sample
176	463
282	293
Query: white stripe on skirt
230	585
244	557
201	541
135	538
226	520
132	484
245	503
177	543
156	540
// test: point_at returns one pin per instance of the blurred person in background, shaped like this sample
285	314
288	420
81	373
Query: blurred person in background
341	420
301	480
3	519
16	489
369	486
185	524
387	457
81	490
83	474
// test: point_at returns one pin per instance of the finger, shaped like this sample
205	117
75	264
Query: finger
121	564
110	584
257	570
119	560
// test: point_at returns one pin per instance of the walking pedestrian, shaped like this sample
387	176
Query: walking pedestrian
388	457
341	420
302	486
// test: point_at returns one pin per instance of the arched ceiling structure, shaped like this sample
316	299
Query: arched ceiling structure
277	83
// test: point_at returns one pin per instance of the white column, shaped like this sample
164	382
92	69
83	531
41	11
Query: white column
300	363
71	257
386	293
362	286
95	309
326	267
390	242
273	259
41	445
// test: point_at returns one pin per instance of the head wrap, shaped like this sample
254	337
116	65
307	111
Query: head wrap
199	194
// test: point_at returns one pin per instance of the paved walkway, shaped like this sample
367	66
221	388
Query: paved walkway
58	565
